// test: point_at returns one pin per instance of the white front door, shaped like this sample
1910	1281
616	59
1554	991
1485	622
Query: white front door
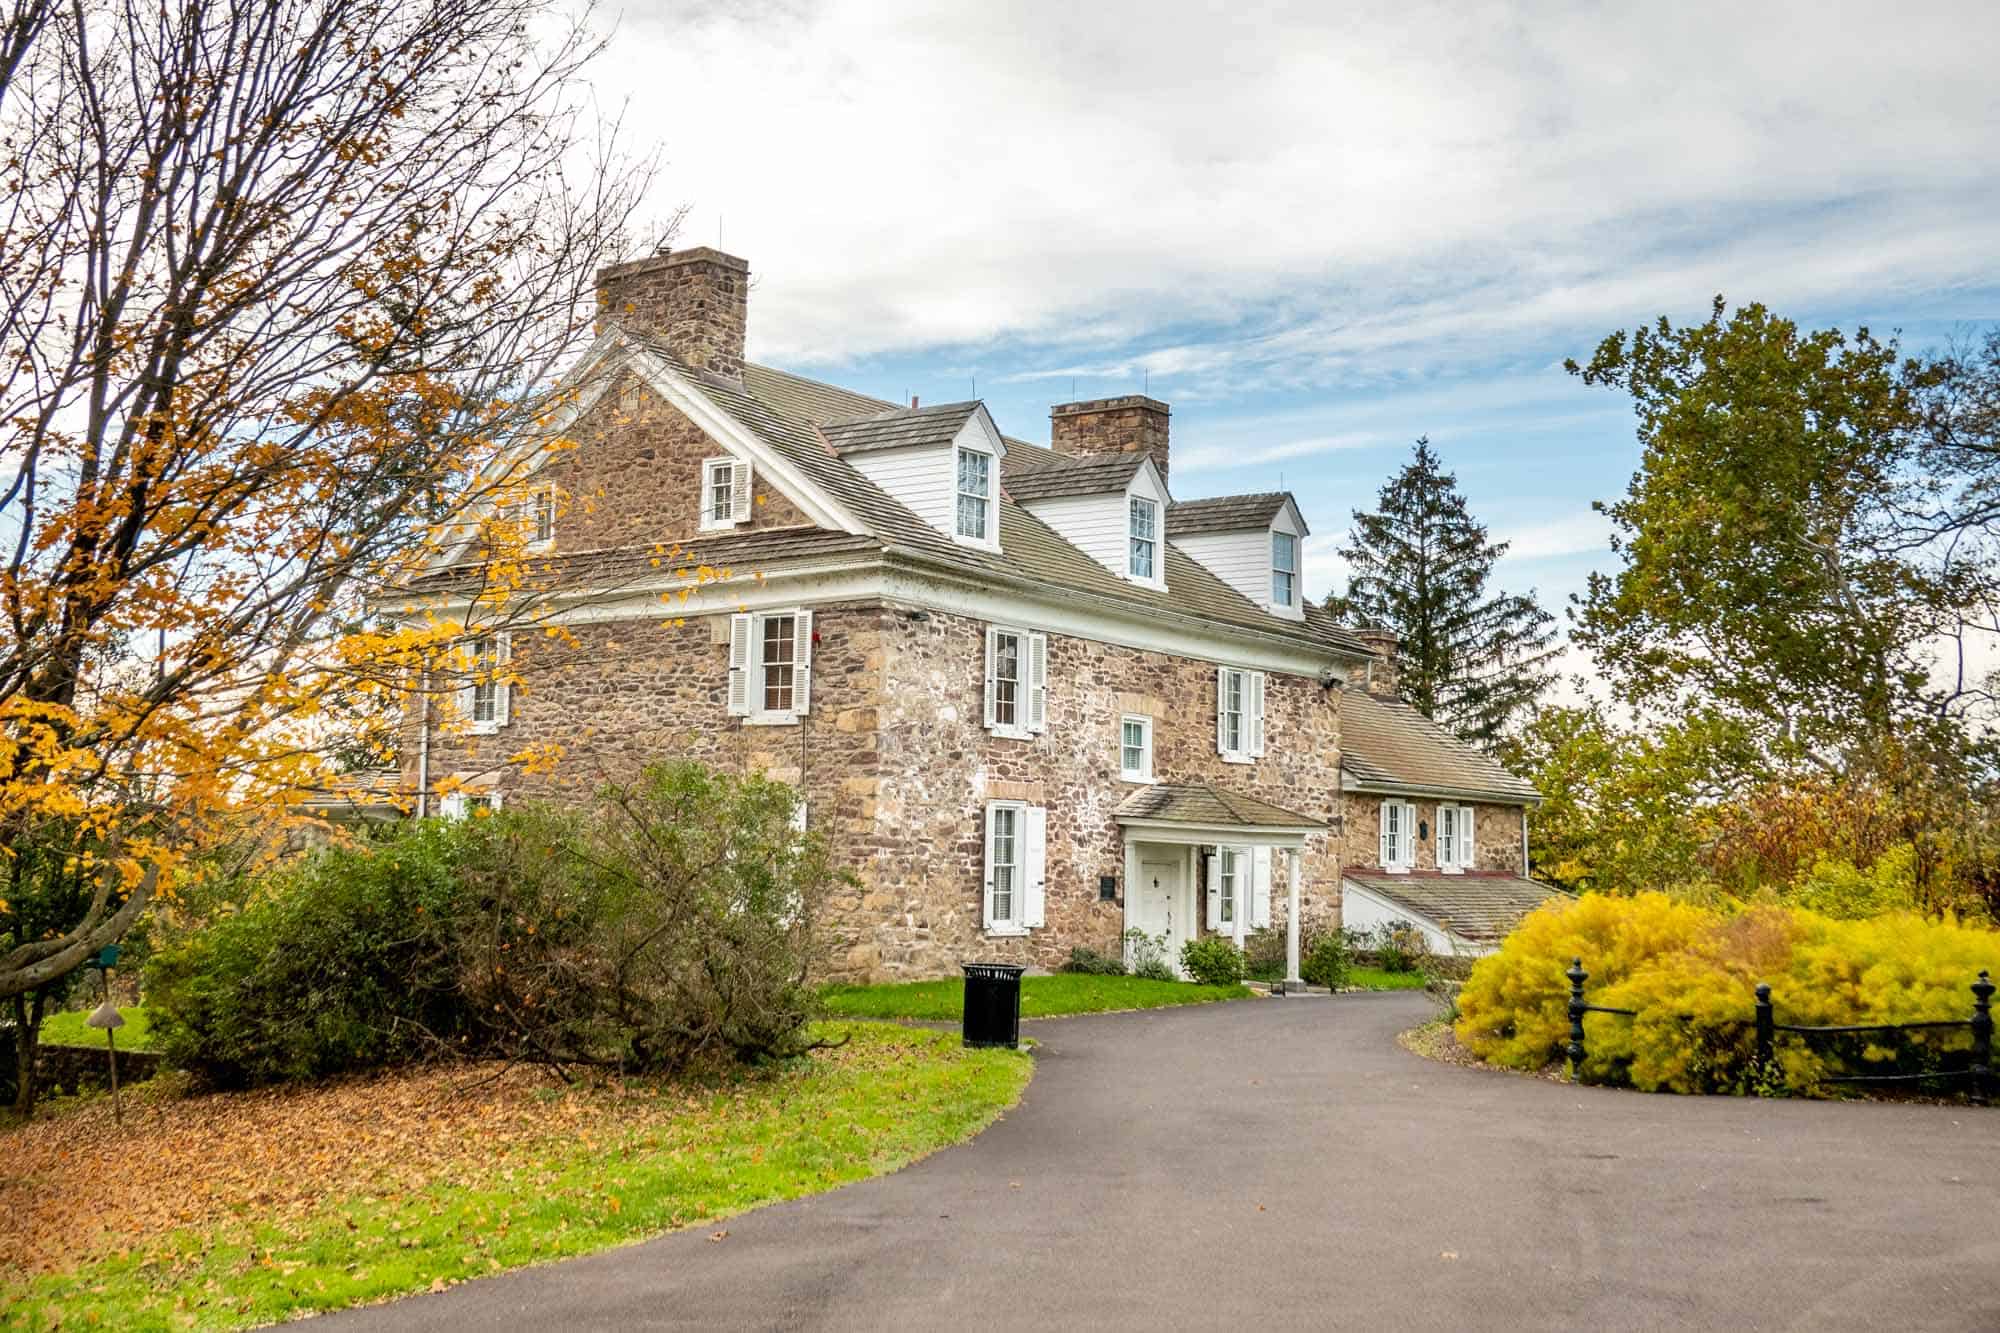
1159	900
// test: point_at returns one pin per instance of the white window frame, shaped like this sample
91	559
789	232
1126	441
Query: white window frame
498	658
1144	772
1228	888
461	804
1459	840
1156	557
1248	695
541	519
1397	848
746	667
1031	686
1279	571
739	493
1028	864
989	539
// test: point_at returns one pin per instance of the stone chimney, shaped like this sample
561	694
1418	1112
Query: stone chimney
1377	675
696	301
1129	425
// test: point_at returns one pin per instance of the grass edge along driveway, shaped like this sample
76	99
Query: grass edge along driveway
893	1095
1041	997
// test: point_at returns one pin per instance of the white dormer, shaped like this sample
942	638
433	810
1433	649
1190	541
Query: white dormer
942	463
1113	508
1254	543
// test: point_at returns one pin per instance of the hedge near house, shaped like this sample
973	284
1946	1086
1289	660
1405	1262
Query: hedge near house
1691	973
669	921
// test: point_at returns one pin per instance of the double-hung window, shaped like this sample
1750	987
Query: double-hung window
1016	859
1284	569
1144	526
975	496
1398	850
1454	838
467	804
485	698
725	493
539	527
1239	714
1017	682
1135	748
770	666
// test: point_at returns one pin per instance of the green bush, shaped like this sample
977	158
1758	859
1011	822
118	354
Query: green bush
1264	955
1090	962
1399	946
671	920
1213	960
1691	972
1326	962
1148	954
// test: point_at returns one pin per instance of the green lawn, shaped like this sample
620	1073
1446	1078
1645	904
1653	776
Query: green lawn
1041	997
68	1029
645	1161
1374	978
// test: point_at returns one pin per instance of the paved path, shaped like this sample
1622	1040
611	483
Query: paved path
1283	1164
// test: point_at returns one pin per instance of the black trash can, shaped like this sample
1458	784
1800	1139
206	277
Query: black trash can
993	1004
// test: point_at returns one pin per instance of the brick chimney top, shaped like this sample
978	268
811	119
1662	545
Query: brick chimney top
1377	675
696	301
1133	423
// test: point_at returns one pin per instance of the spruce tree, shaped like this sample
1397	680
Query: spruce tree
1469	658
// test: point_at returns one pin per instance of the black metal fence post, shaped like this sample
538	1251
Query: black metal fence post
1577	1009
1982	1038
1767	1029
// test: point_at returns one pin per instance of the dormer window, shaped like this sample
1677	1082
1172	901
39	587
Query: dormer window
1143	560
725	493
975	496
1284	569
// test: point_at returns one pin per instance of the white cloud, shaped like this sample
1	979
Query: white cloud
1587	533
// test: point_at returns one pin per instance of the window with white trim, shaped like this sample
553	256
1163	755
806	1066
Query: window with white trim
1228	879
1017	682
1454	838
974	521
486	699
1284	569
1398	849
770	666
1016	861
1143	528
465	804
538	518
725	493
1135	747
1239	714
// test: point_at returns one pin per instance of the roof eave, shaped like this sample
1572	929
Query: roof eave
1349	782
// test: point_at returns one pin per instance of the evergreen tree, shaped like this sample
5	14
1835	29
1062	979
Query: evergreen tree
1419	566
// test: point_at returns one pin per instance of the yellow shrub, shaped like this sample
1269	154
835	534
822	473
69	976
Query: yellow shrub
1691	972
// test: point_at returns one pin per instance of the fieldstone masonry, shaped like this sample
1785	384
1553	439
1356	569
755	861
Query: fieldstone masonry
1496	833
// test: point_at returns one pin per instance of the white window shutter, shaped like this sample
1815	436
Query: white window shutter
452	806
1038	682
1447	837
986	881
1221	702
1383	847
1034	864
802	661
739	666
739	492
1255	706
1260	889
503	693
992	646
1466	858
1410	834
1215	890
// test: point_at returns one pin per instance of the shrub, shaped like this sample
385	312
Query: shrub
1691	972
672	920
1213	960
1326	962
1264	955
1092	963
1148	956
1398	946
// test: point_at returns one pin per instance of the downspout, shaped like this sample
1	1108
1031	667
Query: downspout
424	746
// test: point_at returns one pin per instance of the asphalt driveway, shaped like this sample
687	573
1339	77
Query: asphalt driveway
1284	1164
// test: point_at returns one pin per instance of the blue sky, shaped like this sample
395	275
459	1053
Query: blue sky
1319	231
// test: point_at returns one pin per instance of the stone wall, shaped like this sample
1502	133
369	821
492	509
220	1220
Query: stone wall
1496	833
635	476
1126	425
696	300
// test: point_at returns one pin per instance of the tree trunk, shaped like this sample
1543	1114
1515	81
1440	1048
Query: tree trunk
27	1048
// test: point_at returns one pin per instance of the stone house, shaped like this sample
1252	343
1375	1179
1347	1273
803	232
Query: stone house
1033	699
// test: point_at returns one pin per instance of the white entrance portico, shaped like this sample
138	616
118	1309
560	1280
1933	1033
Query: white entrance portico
1179	834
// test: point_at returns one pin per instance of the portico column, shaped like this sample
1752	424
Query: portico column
1292	923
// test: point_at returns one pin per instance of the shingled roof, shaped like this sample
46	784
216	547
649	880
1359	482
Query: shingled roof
1387	745
1478	906
1089	476
1207	805
1224	513
899	428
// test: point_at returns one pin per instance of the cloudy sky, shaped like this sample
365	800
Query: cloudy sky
1321	230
